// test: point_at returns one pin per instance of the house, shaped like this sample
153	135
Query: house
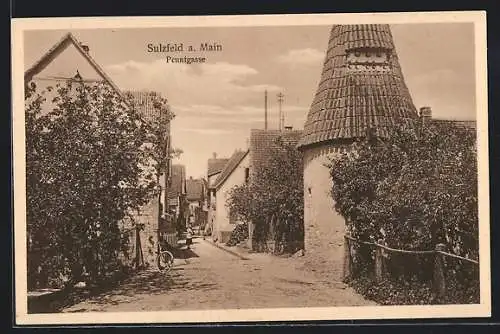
214	168
234	173
262	147
177	195
195	197
71	61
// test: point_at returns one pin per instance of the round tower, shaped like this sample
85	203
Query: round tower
361	89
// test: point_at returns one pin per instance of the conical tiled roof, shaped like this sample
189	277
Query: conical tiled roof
361	86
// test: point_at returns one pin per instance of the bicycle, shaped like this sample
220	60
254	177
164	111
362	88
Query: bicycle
165	260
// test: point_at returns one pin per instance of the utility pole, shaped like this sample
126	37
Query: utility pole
281	114
265	110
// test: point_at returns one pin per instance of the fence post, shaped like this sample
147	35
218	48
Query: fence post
379	262
139	259
439	276
347	259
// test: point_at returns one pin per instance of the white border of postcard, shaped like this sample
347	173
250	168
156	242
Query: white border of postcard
240	315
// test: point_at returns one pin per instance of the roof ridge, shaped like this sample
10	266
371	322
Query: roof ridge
59	47
237	157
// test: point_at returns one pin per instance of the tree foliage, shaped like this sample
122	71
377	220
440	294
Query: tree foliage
414	189
91	160
273	199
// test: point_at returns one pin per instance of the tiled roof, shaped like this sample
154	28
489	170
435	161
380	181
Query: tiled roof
351	97
194	189
216	165
468	124
263	145
56	50
231	165
178	181
143	100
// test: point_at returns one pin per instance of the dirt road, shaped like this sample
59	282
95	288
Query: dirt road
211	278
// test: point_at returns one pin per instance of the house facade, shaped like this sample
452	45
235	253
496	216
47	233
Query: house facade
234	173
214	169
177	196
196	197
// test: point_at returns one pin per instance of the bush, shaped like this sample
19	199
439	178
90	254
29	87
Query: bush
273	200
239	234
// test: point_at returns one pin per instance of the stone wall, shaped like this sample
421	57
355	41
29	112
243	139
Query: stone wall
323	227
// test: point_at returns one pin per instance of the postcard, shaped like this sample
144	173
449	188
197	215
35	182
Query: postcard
216	169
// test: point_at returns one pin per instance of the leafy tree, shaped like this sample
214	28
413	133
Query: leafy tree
414	189
88	165
273	199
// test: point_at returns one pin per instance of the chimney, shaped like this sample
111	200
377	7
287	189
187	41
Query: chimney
425	114
214	155
288	128
85	48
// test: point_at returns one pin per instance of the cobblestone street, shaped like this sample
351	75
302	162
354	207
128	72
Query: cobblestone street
212	278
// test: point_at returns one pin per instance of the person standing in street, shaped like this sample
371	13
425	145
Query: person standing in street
189	237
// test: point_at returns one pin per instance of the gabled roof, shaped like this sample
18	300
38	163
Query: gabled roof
231	165
216	165
194	189
56	50
263	145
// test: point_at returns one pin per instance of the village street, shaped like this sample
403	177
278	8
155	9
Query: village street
212	278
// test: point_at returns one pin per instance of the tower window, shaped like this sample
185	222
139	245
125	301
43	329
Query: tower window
367	60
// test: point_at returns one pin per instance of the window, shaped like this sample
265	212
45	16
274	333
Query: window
367	60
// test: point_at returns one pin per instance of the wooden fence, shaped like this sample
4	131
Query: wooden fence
169	237
383	253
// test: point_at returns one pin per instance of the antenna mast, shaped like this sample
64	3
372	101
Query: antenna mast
265	110
281	114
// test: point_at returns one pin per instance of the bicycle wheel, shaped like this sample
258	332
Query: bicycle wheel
165	260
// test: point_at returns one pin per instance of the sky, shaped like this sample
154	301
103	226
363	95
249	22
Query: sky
217	103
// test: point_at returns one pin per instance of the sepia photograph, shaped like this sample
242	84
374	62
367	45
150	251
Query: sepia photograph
250	168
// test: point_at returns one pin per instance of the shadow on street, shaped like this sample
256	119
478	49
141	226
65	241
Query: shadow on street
184	253
149	283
